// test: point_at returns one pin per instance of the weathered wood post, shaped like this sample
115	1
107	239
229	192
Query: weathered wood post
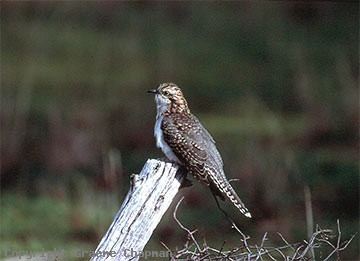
150	195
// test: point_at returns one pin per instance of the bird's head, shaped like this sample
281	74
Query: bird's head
169	97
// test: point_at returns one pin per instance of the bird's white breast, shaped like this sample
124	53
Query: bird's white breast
162	105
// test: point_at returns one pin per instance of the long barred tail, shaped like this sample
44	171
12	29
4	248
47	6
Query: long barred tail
224	186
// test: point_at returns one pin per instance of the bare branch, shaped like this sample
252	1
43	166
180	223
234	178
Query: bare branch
190	233
246	252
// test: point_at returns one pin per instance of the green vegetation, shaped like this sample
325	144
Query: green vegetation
275	83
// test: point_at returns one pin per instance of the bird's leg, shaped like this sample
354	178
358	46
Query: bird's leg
186	183
183	172
165	159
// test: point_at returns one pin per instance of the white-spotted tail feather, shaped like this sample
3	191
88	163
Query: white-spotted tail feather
224	186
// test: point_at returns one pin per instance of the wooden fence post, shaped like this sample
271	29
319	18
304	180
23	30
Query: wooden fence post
150	195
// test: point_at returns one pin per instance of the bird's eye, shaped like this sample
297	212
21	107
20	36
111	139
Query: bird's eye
165	92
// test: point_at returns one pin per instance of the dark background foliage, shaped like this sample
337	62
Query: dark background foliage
276	83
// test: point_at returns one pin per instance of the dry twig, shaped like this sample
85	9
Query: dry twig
264	251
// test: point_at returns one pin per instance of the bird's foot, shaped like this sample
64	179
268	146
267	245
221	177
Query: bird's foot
185	182
165	159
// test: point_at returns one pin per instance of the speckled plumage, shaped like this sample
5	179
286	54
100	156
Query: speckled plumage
184	140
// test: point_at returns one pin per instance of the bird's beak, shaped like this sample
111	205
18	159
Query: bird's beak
154	91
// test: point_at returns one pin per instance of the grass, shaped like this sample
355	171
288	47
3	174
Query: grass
44	224
260	77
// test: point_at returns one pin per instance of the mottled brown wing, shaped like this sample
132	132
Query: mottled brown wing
193	145
176	131
203	137
195	148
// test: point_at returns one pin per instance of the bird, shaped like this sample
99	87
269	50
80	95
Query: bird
186	142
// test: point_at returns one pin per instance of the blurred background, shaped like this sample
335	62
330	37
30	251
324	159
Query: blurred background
275	83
